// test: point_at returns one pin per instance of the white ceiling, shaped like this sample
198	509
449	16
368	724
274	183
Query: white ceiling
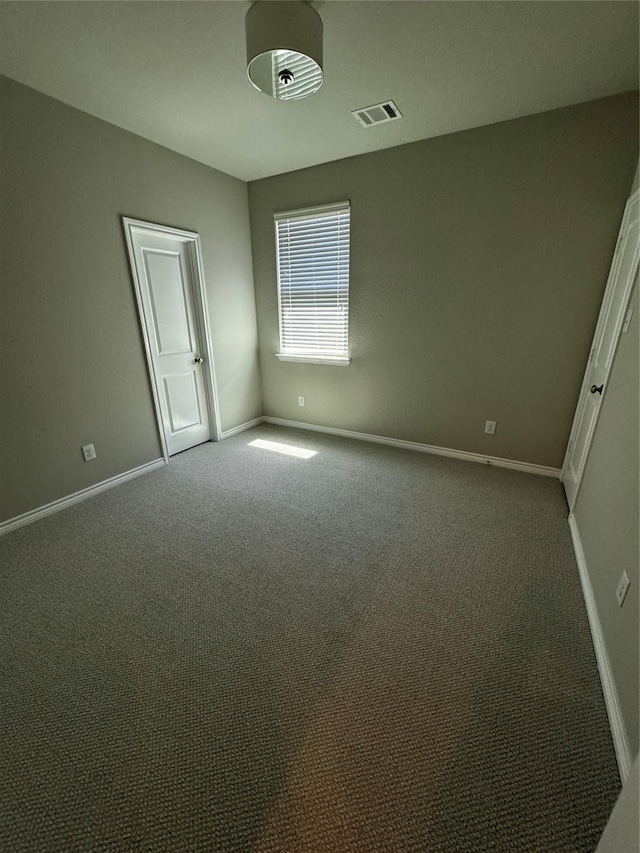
175	71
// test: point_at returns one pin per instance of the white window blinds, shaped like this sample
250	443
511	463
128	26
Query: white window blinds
312	248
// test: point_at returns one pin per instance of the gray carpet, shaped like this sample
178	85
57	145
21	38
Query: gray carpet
369	650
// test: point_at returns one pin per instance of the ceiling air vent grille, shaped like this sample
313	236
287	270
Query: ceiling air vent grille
377	114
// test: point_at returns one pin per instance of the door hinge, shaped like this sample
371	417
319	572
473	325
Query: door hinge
627	321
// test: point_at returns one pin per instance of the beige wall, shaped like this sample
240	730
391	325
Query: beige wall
607	513
478	265
73	368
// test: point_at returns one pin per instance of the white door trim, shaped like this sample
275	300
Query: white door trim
194	253
630	211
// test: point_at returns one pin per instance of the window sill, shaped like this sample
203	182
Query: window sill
314	359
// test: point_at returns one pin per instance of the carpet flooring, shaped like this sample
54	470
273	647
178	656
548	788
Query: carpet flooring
366	651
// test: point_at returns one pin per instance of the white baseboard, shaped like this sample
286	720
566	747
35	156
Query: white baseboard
612	702
242	427
528	467
76	497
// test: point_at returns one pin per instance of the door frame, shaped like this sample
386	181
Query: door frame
194	256
630	211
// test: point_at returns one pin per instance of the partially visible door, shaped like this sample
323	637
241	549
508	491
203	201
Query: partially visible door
603	348
165	274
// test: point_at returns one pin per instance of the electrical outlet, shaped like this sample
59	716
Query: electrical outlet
623	589
89	452
301	401
490	427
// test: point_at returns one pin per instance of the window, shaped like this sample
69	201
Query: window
312	251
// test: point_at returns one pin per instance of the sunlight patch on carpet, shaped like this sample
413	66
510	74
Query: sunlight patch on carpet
289	449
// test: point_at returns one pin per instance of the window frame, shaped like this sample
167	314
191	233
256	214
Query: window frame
308	213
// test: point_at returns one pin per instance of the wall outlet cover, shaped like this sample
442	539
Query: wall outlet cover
623	588
490	427
89	452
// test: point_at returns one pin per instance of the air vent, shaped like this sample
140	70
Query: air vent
377	114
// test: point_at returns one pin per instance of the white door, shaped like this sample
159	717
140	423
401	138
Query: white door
166	274
611	321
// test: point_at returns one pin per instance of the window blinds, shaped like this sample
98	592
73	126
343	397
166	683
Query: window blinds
313	281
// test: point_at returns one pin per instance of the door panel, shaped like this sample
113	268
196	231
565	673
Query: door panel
171	320
619	298
166	283
623	272
582	441
182	401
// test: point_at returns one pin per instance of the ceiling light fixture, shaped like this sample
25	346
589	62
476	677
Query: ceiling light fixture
284	48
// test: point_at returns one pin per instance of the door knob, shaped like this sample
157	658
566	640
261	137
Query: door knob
198	360
597	388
